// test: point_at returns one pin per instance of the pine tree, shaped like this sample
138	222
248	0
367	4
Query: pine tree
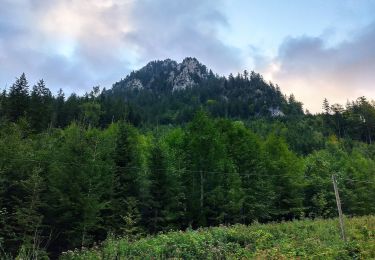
244	148
40	106
285	170
18	99
58	115
127	179
205	177
326	107
131	226
28	215
159	189
3	100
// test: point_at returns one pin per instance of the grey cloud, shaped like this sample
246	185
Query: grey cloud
26	47
182	28
347	63
103	48
312	69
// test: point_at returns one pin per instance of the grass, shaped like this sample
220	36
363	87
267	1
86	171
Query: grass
303	239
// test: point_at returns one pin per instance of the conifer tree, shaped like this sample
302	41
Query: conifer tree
127	180
244	147
40	106
205	176
18	98
286	171
28	214
59	118
3	100
159	189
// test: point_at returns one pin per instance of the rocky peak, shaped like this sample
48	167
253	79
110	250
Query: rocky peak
168	73
190	64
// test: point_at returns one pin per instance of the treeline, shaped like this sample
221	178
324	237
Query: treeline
67	188
355	121
244	97
74	170
39	108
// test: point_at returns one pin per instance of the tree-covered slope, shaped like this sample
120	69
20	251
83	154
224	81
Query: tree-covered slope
179	148
67	188
167	92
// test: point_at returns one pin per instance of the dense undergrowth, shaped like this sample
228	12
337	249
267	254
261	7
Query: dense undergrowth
304	239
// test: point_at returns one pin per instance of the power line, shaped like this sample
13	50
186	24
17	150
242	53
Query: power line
157	169
179	170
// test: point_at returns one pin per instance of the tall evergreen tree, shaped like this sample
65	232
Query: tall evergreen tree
29	217
18	98
285	169
205	178
40	106
326	107
3	100
59	118
127	181
246	151
159	189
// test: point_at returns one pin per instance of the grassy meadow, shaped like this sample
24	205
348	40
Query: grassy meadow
302	239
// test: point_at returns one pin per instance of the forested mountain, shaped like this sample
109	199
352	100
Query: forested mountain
172	147
162	92
167	92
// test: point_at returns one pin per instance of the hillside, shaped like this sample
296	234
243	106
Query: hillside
75	171
167	92
305	239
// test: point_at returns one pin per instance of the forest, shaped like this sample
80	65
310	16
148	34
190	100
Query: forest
76	170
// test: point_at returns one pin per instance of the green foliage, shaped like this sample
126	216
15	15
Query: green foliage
206	159
160	189
130	227
69	187
127	175
286	172
305	239
40	107
78	170
18	99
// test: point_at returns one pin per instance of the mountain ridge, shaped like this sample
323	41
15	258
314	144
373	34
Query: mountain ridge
178	76
168	91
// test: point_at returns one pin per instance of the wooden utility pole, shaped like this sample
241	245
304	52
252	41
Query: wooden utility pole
338	202
201	199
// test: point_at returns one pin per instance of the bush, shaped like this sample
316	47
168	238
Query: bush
318	239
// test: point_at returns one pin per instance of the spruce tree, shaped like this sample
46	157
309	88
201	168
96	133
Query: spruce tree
159	189
326	107
285	170
127	180
18	98
3	100
59	118
205	176
28	215
244	148
40	106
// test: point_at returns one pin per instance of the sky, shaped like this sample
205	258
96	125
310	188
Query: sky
312	49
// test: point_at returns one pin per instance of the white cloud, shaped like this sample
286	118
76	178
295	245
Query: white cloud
78	44
307	67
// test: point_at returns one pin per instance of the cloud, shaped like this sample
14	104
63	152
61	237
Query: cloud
78	44
70	43
182	28
312	70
